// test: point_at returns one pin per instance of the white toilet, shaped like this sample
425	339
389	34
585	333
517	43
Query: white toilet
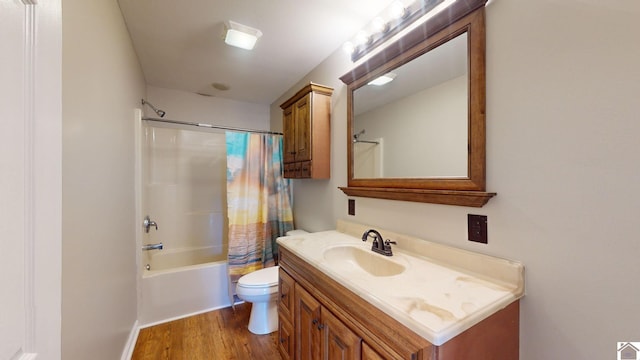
261	289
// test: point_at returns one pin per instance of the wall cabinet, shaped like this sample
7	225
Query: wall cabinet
321	319
306	122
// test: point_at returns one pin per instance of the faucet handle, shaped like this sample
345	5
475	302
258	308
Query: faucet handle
389	242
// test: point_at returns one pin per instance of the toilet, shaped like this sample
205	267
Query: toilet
261	289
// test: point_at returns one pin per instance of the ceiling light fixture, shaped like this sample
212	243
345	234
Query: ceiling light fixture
242	36
384	79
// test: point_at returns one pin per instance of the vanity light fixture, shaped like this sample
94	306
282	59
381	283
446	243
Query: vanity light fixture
379	25
384	79
399	15
242	36
398	10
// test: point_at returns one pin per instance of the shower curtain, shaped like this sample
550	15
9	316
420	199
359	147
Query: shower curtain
258	202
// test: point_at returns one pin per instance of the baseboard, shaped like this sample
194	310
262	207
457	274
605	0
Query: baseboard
131	342
186	315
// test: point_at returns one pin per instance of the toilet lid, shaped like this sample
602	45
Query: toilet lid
260	278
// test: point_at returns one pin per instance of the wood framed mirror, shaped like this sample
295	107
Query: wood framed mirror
421	137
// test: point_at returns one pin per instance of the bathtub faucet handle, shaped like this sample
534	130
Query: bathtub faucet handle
147	223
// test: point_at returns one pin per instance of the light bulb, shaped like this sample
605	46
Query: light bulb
348	47
362	38
380	25
397	10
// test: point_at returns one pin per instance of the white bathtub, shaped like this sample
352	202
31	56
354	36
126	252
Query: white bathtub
182	283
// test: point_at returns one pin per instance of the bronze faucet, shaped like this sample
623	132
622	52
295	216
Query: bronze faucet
379	245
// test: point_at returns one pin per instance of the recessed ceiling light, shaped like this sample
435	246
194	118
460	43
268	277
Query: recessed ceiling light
242	36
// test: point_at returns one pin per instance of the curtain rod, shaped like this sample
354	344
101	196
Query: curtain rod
210	126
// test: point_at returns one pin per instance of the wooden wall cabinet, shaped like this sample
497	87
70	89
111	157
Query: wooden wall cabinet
306	122
321	319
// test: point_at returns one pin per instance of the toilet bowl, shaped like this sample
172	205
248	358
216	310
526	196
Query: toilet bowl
261	289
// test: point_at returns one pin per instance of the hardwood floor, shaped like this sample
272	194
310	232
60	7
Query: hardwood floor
220	334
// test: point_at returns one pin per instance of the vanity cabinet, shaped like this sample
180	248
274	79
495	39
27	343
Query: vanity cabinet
306	126
329	321
319	334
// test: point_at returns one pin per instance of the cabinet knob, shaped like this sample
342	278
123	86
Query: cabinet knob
283	296
283	340
315	321
320	326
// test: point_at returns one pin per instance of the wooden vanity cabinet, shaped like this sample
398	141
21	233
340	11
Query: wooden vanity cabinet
306	122
321	319
319	334
324	326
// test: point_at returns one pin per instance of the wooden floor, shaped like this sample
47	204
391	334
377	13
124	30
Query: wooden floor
220	334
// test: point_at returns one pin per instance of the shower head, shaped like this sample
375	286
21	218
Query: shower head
160	113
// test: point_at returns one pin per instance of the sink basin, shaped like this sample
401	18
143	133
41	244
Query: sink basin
355	258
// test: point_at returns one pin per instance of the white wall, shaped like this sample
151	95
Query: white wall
102	84
191	107
563	154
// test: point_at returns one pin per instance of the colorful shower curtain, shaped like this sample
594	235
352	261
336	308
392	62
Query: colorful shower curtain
258	202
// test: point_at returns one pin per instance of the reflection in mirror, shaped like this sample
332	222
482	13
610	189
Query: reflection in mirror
427	143
416	125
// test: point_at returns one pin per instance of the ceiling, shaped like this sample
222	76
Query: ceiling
179	43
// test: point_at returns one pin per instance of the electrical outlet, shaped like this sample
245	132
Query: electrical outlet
352	206
477	227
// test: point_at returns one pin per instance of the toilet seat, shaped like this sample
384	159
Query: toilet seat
267	277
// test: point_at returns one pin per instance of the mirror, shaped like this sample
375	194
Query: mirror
427	99
421	137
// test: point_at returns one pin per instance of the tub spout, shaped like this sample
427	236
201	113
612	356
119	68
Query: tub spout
148	247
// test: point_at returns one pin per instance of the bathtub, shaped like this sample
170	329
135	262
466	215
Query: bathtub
180	283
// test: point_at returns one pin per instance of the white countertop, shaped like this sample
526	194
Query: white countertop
435	301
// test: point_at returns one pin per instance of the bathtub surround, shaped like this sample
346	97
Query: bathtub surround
562	152
184	190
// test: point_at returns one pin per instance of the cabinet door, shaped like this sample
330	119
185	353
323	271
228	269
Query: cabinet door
289	135
302	116
286	342
369	354
307	325
339	342
286	298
